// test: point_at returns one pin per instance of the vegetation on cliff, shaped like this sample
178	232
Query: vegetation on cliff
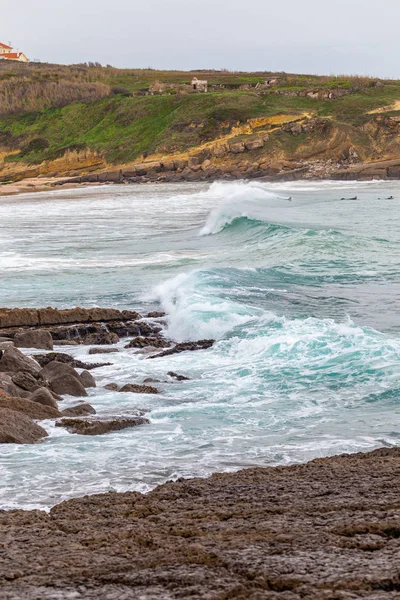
109	114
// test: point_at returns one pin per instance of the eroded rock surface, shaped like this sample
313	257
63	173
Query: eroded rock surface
99	426
185	347
327	530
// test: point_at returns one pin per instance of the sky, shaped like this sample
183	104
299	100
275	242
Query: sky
358	37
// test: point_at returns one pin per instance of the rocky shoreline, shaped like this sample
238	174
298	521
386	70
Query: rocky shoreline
328	529
325	530
32	387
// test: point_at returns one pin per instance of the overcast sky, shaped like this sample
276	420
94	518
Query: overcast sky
305	36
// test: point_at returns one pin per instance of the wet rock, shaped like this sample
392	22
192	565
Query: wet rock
30	317
96	426
13	360
17	428
103	338
178	377
43	396
139	389
155	315
34	338
113	387
55	368
143	342
25	381
67	343
87	380
32	409
45	359
79	410
67	384
103	350
185	347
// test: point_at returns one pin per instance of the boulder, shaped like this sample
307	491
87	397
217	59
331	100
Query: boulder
67	384
184	347
254	144
32	409
79	410
96	426
103	350
25	381
13	360
237	147
7	385
155	315
104	337
87	380
43	396
16	428
143	342
111	176
113	387
34	338
55	369
139	389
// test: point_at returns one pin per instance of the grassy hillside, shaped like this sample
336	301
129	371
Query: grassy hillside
47	110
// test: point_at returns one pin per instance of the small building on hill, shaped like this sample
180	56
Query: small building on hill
8	53
198	85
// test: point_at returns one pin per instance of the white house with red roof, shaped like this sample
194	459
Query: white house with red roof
8	53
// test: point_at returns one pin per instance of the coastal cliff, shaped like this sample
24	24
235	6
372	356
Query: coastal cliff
87	124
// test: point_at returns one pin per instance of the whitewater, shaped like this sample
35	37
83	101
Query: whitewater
299	285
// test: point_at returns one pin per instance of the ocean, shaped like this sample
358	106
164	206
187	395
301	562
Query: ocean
299	285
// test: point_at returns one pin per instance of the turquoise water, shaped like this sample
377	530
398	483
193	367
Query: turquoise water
302	296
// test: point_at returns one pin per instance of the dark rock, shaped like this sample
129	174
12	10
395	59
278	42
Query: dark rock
13	360
43	396
113	387
44	359
155	315
31	317
103	338
17	428
87	380
143	342
34	338
139	389
96	426
55	368
178	377
79	410
33	410
25	381
103	350
67	384
184	347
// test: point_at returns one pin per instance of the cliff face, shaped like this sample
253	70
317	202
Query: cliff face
298	128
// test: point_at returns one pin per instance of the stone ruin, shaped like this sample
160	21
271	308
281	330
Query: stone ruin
199	85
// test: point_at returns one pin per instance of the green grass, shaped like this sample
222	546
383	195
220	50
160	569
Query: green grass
123	128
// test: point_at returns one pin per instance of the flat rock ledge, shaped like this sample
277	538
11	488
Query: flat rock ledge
326	530
99	426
